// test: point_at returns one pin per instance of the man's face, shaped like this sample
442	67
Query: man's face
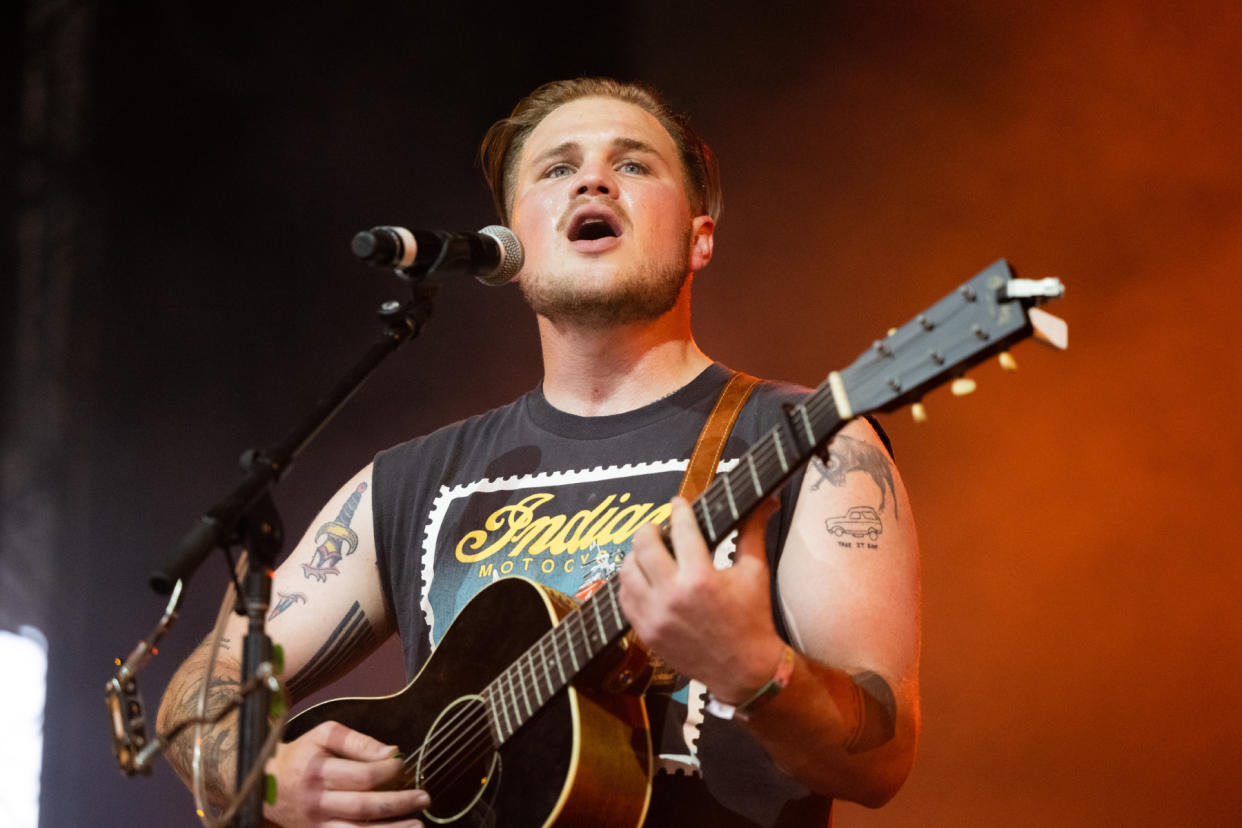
601	208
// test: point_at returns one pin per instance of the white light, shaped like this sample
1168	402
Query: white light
24	657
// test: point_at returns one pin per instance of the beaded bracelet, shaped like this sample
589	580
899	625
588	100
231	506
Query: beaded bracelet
742	712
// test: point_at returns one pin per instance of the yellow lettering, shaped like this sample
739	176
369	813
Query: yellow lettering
542	530
578	525
517	529
485	570
569	565
547	564
514	518
506	567
626	522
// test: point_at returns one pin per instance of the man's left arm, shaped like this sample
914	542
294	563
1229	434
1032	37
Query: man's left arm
847	720
847	723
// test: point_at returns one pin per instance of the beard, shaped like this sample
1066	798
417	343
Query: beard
642	294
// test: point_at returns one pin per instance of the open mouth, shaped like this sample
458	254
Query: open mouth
592	225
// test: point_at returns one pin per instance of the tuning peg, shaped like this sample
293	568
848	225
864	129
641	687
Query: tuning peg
1007	361
963	386
918	412
891	331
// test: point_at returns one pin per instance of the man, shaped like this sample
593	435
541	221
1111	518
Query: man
615	201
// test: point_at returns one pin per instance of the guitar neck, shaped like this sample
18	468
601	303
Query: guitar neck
562	652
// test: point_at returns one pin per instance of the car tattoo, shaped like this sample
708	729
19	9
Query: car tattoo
859	521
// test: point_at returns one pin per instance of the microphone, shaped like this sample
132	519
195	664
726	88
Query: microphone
493	255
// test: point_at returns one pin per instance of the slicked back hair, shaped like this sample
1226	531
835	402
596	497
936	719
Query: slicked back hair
502	146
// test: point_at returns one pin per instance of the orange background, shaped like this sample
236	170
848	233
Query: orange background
1078	519
1081	641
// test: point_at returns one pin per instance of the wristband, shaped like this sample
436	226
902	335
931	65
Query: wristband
742	712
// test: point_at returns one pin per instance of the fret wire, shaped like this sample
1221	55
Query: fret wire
504	708
598	618
780	451
530	711
612	599
806	422
754	475
547	674
573	657
729	493
490	702
711	529
513	695
560	665
586	637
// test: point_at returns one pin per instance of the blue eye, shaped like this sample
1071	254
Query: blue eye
633	167
557	171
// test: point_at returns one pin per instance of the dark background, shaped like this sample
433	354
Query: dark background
1081	636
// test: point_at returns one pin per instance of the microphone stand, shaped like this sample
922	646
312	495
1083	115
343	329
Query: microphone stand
248	516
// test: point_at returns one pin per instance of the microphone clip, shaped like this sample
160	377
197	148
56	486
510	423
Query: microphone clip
126	711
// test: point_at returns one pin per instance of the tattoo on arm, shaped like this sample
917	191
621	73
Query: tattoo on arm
845	455
335	539
875	723
351	639
287	599
219	751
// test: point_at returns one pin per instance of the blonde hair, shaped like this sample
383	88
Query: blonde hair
502	146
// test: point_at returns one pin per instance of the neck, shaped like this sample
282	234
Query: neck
593	371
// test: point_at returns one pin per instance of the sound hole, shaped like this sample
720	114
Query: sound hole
457	763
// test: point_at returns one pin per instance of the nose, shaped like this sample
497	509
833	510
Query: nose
595	179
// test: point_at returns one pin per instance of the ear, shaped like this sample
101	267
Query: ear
702	237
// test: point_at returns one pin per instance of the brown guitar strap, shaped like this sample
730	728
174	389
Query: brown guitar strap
715	433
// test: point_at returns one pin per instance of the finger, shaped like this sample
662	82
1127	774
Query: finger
688	544
751	538
651	557
368	806
351	744
353	775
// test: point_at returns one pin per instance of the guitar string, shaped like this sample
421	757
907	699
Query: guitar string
766	457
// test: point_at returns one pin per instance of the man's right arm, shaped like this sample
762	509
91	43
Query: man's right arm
327	613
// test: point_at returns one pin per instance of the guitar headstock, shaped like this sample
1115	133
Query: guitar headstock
984	316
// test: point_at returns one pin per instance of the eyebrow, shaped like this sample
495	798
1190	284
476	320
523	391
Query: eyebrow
567	147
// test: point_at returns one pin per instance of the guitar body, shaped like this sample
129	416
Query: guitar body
584	758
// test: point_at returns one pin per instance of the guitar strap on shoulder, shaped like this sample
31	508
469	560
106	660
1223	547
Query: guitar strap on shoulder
715	433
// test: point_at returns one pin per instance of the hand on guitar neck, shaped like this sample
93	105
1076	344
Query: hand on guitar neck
713	625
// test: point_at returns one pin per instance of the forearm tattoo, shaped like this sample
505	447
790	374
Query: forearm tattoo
351	639
845	455
335	539
875	721
219	750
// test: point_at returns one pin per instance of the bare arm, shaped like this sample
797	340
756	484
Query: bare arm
327	613
847	722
